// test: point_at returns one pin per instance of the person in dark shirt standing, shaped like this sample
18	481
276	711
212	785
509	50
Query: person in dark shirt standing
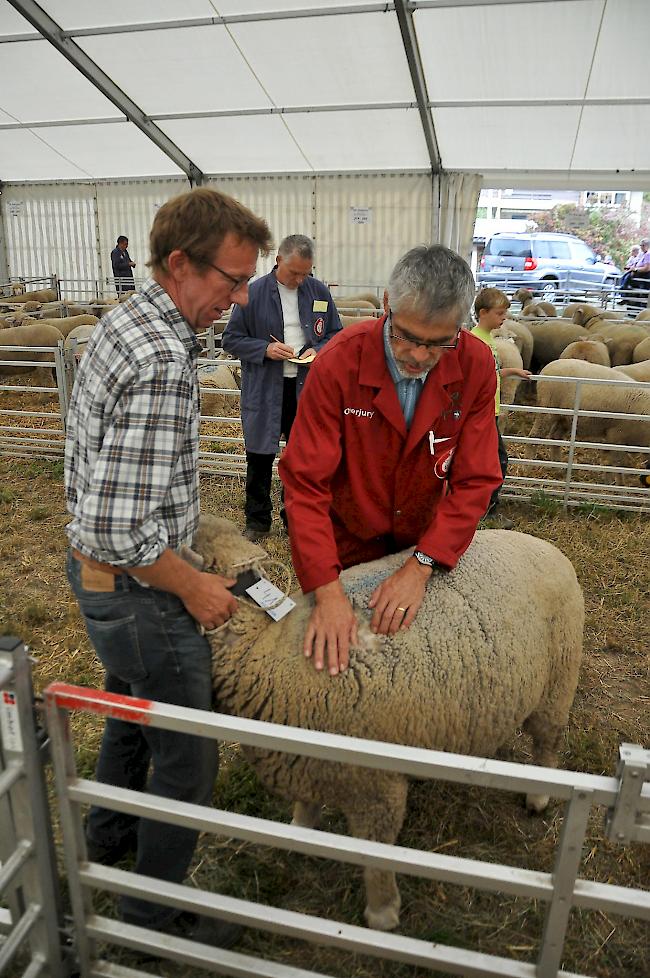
122	266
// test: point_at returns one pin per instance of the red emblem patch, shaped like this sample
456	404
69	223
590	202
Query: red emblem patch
441	467
319	326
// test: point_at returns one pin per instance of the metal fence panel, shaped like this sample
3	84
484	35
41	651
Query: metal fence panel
560	889
28	872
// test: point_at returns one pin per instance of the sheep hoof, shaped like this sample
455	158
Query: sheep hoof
385	919
536	803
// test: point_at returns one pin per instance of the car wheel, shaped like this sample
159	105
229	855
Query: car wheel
548	290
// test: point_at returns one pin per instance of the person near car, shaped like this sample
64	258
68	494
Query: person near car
132	487
122	266
394	445
642	266
490	310
632	260
289	315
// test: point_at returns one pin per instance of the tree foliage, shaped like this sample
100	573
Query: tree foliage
610	231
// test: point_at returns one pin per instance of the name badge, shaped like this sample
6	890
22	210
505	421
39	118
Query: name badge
320	305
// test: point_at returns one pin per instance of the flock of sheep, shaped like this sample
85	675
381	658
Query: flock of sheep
578	341
583	342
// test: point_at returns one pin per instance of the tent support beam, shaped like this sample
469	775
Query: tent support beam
52	32
404	12
4	256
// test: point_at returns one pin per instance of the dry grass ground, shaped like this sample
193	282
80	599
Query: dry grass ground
611	554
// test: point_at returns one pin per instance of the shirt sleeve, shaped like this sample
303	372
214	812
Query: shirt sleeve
307	468
120	521
238	339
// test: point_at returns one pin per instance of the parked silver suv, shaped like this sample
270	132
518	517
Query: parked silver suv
545	262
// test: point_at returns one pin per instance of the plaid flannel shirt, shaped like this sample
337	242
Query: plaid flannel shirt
132	439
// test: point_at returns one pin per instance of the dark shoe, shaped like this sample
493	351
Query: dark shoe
193	927
111	855
204	930
255	534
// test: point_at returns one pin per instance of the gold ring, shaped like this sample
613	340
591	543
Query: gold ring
403	610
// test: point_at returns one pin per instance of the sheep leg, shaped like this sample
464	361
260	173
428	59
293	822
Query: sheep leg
380	818
547	733
306	814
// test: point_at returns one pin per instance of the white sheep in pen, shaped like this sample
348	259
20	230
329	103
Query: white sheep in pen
604	398
214	378
495	646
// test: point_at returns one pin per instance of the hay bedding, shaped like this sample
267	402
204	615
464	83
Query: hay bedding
611	554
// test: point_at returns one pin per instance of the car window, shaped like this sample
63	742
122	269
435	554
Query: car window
558	249
581	251
509	247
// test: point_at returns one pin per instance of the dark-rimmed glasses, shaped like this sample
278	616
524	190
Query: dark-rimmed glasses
237	283
412	342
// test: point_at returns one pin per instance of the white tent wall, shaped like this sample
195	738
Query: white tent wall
51	229
456	199
285	202
129	207
361	223
364	222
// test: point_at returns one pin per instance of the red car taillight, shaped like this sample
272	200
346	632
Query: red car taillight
530	265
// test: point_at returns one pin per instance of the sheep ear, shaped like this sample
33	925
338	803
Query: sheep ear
193	559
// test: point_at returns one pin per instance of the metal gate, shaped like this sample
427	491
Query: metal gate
31	919
627	798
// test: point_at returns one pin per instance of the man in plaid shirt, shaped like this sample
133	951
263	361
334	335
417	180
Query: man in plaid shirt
132	486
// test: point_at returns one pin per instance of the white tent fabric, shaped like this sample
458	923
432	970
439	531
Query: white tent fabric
550	92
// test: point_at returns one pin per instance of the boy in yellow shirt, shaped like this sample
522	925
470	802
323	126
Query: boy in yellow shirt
491	308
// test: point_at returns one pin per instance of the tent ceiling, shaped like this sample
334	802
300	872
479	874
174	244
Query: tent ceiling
533	92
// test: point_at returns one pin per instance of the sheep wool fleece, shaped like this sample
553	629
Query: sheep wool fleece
496	645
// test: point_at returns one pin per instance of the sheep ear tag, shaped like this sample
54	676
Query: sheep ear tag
269	597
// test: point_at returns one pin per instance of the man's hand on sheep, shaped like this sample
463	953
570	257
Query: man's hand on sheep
397	599
332	629
206	596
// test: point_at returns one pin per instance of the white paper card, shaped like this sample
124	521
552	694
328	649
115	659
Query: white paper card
265	594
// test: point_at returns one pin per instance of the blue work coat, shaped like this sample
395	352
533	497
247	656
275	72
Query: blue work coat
246	338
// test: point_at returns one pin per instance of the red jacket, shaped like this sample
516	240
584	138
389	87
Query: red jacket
359	485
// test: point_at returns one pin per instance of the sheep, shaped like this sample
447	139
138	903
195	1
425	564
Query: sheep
356	307
643	316
509	356
594	397
36	334
551	336
537	309
523	339
77	338
495	646
641	351
218	376
69	323
524	296
637	371
359	296
39	295
623	339
591	350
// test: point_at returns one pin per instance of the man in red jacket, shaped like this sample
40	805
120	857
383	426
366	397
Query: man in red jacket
393	446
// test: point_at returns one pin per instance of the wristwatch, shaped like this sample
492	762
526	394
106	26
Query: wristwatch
425	559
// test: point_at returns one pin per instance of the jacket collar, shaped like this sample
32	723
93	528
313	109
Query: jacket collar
434	399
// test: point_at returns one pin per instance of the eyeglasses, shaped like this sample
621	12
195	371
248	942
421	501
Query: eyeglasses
412	342
237	283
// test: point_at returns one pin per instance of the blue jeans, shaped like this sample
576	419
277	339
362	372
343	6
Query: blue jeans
150	648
